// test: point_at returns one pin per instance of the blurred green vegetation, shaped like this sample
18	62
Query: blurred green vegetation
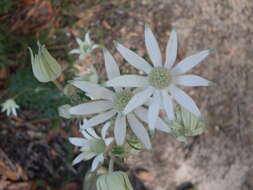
43	98
59	22
5	6
33	95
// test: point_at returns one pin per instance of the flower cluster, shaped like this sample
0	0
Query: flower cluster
133	103
10	107
86	46
91	145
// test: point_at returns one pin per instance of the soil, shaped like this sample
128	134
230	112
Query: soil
222	157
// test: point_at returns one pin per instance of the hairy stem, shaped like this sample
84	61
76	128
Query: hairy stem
111	164
58	85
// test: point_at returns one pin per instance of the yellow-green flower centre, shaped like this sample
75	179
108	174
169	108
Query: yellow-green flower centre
97	146
121	99
159	77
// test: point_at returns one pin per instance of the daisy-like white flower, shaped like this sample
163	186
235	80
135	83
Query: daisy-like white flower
10	107
109	104
86	46
161	80
91	145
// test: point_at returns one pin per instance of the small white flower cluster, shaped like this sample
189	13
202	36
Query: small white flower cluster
136	100
10	107
91	145
86	46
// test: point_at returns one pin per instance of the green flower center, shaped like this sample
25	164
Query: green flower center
97	146
121	99
159	77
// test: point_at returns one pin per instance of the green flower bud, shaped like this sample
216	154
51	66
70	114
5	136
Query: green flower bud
186	124
70	90
64	111
114	181
134	143
45	67
118	151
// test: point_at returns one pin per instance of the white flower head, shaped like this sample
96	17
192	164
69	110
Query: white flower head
161	80
86	46
91	145
10	107
110	104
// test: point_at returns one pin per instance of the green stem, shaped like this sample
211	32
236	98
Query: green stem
22	92
58	85
111	164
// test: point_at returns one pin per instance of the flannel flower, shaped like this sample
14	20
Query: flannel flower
44	65
10	107
161	82
91	145
108	104
85	47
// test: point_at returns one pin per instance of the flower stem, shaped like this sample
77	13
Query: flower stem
22	92
58	85
111	164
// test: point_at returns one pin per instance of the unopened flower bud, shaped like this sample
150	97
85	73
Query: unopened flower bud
45	67
114	181
186	124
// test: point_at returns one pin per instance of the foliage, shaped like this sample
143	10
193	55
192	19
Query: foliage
5	5
42	98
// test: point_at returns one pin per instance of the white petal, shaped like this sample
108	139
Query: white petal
108	141
75	51
120	129
139	130
111	66
134	59
186	101
129	81
97	160
93	133
86	134
168	106
189	62
94	90
98	119
142	113
14	111
83	131
78	141
138	99
171	50
87	38
90	108
192	80
153	110
152	47
94	46
79	41
105	129
83	156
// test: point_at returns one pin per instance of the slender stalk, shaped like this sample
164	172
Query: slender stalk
111	164
58	85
